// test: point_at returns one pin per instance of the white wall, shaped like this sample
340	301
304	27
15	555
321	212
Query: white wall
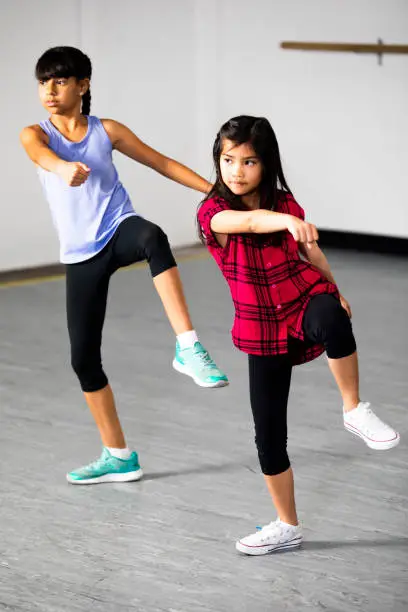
174	70
26	28
145	77
341	119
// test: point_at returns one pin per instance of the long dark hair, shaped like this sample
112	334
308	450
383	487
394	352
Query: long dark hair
65	62
258	132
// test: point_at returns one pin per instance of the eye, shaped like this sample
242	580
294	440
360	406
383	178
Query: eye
226	160
61	81
250	162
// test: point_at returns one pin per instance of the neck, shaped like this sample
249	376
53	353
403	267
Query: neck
252	200
69	121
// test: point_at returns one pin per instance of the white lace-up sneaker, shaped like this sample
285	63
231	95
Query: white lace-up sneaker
362	422
273	537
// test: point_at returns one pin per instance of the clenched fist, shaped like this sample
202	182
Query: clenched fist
302	231
74	173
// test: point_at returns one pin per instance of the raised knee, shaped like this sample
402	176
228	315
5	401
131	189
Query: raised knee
155	236
337	332
158	251
336	321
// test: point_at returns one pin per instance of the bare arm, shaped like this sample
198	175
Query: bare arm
126	142
262	222
35	143
316	257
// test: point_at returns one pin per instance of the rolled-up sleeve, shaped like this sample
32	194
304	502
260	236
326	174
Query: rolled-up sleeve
205	214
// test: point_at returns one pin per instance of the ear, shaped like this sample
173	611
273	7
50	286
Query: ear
83	86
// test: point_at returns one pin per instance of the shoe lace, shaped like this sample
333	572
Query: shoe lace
374	421
94	464
267	530
203	358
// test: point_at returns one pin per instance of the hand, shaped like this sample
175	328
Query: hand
345	305
74	173
302	231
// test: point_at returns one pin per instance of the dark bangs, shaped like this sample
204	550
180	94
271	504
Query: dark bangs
63	62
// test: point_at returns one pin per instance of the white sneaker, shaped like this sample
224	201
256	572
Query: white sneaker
273	537
362	422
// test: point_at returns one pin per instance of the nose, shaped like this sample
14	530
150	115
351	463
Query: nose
49	87
237	171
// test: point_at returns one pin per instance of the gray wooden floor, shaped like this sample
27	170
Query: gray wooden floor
167	542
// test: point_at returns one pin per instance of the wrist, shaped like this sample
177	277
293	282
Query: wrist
286	219
59	167
205	187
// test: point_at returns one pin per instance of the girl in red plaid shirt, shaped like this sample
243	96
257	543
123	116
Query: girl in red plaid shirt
288	309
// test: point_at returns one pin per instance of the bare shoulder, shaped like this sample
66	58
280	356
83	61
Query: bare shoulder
124	140
113	129
113	126
109	123
33	133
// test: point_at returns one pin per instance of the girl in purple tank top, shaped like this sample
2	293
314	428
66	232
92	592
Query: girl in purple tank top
100	232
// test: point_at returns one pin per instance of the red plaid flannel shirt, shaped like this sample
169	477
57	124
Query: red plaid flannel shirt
270	285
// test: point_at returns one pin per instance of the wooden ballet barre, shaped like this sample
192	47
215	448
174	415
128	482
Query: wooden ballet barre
345	47
379	49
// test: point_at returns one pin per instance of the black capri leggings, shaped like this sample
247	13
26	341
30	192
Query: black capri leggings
325	322
136	239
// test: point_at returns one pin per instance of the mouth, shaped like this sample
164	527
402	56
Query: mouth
51	103
237	183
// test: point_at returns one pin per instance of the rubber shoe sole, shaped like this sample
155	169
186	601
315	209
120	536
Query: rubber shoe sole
179	367
375	444
265	549
124	477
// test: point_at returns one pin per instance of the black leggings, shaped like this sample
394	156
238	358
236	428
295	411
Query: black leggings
87	290
325	322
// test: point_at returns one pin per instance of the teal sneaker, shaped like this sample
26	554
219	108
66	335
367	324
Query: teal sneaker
107	469
197	363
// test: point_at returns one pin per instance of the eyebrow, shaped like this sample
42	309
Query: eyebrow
233	157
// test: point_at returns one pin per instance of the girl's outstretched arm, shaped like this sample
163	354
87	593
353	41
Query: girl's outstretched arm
262	221
35	143
125	141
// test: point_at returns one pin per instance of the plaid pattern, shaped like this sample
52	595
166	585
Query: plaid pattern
270	285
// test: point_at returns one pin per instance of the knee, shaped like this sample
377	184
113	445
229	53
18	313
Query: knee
335	320
89	372
336	331
154	238
158	251
272	455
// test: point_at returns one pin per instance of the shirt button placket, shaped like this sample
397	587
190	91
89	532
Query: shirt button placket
273	286
278	306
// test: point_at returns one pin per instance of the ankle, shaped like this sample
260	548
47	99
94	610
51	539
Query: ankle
350	404
119	453
289	520
187	339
